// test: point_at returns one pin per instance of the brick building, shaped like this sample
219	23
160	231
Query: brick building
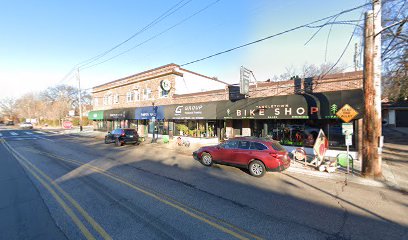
181	102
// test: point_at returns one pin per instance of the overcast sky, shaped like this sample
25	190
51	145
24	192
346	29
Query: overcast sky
41	41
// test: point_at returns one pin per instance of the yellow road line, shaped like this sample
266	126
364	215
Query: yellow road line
187	210
91	221
61	202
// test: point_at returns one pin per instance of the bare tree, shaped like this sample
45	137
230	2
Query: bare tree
395	49
8	107
310	70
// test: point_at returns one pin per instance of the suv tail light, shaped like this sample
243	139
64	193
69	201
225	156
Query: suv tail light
123	134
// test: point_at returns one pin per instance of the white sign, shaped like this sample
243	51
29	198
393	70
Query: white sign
244	81
349	140
347	129
71	113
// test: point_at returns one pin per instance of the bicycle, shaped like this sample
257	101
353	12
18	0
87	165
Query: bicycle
182	142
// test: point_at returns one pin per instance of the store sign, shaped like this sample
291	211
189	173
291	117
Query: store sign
299	106
347	113
245	77
121	115
191	111
156	112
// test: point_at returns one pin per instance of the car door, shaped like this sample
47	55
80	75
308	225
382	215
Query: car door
242	155
227	151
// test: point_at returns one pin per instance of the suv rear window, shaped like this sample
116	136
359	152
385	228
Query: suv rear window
276	146
130	132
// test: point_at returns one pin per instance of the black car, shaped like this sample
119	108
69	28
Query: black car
121	136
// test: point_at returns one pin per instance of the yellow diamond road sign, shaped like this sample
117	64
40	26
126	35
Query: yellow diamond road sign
347	113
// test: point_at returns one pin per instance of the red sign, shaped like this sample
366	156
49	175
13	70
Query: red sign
67	124
321	145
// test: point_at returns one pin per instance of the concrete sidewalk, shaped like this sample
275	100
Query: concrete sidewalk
395	158
296	167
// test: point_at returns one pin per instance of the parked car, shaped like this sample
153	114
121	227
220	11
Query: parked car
26	125
10	123
258	155
121	136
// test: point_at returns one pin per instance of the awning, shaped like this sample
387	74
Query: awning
156	112
300	106
119	114
192	111
95	115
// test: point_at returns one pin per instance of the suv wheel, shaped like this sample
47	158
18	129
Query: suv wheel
206	159
257	168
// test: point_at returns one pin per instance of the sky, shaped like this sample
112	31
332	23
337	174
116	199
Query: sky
42	41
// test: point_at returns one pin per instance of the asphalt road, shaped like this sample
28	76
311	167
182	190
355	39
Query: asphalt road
84	189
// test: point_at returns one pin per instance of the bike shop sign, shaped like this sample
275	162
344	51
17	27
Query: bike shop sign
192	111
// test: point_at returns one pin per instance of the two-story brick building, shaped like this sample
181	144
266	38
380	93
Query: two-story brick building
181	102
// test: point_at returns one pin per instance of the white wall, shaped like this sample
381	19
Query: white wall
192	83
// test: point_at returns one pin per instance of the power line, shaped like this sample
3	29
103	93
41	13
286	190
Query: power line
166	14
345	49
275	35
153	37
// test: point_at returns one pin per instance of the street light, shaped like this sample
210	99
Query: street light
154	123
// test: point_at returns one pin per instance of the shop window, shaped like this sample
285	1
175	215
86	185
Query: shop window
105	100
95	102
304	133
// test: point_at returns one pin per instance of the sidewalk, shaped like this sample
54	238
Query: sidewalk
395	158
296	167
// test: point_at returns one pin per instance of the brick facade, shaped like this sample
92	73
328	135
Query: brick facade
151	79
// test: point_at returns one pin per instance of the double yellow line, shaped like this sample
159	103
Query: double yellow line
49	184
194	213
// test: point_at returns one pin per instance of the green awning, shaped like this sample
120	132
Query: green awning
95	115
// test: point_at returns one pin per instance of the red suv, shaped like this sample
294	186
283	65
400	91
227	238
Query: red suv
258	155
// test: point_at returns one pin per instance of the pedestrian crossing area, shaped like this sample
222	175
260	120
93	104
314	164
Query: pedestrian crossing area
16	135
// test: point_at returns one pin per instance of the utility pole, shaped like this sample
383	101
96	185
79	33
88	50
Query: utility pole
372	129
79	100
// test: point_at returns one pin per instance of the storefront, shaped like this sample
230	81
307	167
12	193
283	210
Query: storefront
98	121
198	120
151	119
119	118
294	120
